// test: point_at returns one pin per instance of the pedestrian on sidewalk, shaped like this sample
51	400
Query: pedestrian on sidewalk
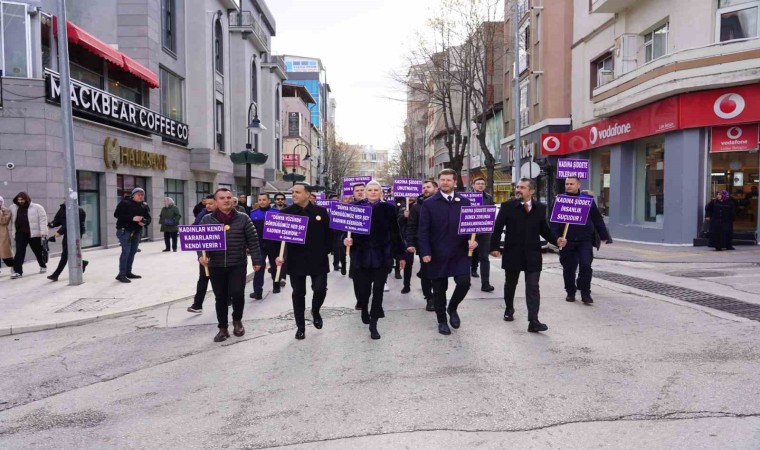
444	249
373	254
131	216
6	249
480	255
60	221
269	249
169	218
227	268
29	227
201	287
429	188
238	207
720	213
312	259
578	254
243	201
524	221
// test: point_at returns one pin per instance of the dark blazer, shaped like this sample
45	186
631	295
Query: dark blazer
383	244
522	246
437	236
594	224
310	258
413	224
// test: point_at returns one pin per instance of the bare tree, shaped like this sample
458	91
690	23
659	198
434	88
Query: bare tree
341	162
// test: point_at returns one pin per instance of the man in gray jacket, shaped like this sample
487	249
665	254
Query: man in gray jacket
227	267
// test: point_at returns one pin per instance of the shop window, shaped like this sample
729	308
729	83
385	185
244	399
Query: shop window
171	95
175	190
202	190
737	19
650	182
126	86
16	43
656	43
88	186
737	173
86	67
169	25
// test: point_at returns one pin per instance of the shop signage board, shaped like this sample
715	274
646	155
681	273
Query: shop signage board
727	106
349	182
407	187
571	209
475	198
737	138
202	238
477	219
285	227
103	106
115	155
350	218
577	168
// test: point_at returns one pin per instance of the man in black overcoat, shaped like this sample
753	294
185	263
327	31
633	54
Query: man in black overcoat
523	220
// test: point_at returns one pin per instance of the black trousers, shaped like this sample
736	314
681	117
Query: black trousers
319	290
440	286
425	282
171	237
339	255
532	291
409	258
370	282
258	278
577	256
10	263
228	283
480	258
200	288
64	258
22	240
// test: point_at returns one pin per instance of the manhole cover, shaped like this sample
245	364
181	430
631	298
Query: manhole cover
90	304
698	274
324	312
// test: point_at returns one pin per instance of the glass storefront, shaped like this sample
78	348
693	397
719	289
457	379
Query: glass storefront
650	181
737	173
599	182
88	185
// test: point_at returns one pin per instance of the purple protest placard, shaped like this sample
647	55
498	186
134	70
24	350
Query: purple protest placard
571	209
197	238
326	203
477	219
567	168
285	227
353	218
319	195
407	187
349	182
475	198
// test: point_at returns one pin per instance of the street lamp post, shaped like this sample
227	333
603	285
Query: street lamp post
293	176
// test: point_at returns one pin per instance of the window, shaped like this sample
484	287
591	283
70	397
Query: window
524	102
219	126
737	19
522	55
86	67
650	182
168	25
124	186
125	85
171	95
175	190
16	46
88	185
218	47
202	189
603	71
294	124
254	81
656	43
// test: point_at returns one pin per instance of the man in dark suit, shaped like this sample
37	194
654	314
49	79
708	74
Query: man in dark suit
578	254
308	259
480	256
444	250
524	221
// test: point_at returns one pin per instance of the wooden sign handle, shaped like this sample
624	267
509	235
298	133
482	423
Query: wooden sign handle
205	267
279	268
407	204
348	249
564	233
472	239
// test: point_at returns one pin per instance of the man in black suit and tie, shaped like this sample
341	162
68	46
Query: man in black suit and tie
524	221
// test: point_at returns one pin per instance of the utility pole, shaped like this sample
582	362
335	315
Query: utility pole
517	150
71	196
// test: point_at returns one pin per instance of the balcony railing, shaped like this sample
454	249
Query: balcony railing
245	22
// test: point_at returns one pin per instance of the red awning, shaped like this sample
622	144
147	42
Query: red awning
82	38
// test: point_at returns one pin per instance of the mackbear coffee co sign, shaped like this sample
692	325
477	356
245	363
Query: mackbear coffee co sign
115	155
91	102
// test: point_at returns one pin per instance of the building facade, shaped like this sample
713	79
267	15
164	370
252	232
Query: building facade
299	131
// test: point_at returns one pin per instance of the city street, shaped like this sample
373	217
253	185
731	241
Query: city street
634	370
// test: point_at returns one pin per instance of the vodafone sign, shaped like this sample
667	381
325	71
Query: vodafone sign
735	138
739	104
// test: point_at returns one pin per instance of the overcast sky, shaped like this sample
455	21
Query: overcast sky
360	43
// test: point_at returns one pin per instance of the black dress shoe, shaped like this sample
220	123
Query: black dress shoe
84	265
454	319
509	315
132	276
166	250
276	288
52	278
365	316
443	328
357	306
405	290
336	268
534	326
237	328
300	334
317	320
255	295
373	330
123	278
488	288
430	306
474	274
570	298
586	298
730	248
342	270
398	275
222	335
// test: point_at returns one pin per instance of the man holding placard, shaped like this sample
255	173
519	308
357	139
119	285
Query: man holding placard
268	248
444	249
227	268
480	255
578	254
309	258
407	190
523	221
429	188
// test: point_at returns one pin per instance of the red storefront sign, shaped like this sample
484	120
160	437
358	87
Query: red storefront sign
290	160
693	110
735	138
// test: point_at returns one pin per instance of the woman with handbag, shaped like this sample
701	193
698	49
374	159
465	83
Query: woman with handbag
169	220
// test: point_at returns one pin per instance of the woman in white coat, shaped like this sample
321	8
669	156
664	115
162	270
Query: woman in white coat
28	227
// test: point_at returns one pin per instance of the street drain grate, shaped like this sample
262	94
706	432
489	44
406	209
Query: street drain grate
725	304
698	274
90	304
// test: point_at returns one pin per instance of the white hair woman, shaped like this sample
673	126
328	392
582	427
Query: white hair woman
372	255
169	220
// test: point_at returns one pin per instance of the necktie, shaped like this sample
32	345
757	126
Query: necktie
527	207
448	198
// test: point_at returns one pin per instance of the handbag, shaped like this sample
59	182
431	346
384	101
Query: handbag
169	222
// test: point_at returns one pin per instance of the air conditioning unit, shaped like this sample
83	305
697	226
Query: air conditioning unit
625	53
606	76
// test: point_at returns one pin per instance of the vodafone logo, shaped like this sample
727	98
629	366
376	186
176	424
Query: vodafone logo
728	106
609	132
593	135
734	133
551	144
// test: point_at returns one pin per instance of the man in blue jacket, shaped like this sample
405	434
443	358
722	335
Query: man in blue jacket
444	250
270	249
578	254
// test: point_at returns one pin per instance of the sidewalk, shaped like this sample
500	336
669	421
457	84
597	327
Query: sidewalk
629	251
34	303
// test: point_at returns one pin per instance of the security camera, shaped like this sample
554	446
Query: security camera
10	166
